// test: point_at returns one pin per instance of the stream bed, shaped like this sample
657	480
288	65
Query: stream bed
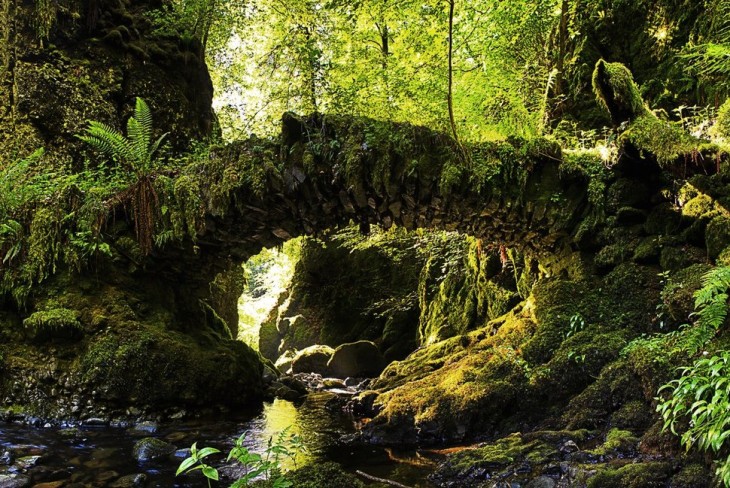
98	456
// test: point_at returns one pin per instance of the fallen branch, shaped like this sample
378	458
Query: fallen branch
381	480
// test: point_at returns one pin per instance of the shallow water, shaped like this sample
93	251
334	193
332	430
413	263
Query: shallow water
101	455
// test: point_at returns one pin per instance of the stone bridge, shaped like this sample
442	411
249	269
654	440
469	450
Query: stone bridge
329	171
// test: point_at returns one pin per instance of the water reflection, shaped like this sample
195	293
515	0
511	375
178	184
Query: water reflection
97	457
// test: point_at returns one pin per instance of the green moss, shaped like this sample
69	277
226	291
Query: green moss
665	141
577	362
55	318
635	414
617	92
717	236
498	455
722	126
674	258
187	215
692	476
664	219
612	255
701	206
647	251
459	289
678	293
724	258
133	365
443	389
590	165
617	441
640	475
322	474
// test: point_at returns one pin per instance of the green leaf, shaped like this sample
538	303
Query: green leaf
185	465
207	451
210	473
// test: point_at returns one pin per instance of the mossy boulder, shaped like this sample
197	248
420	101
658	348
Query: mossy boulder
717	236
678	293
323	474
313	359
617	92
166	368
578	361
640	475
284	362
692	476
618	442
470	466
53	323
357	359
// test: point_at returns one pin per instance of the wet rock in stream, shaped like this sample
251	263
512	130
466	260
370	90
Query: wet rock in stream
14	481
150	448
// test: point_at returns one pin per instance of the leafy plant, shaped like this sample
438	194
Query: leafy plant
255	466
196	462
711	309
698	403
135	154
577	324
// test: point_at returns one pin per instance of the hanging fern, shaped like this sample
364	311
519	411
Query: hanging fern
135	153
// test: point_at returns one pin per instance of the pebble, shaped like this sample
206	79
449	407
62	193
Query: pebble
96	421
145	427
14	481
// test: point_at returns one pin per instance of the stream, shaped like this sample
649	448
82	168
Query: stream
102	456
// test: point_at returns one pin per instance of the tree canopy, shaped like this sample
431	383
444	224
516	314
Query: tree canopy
518	67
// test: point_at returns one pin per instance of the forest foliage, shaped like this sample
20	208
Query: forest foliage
519	68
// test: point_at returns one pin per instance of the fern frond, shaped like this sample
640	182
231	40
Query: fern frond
107	140
139	143
143	115
711	306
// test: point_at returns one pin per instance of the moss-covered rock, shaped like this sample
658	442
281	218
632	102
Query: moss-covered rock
617	92
149	366
717	236
361	359
323	474
678	293
313	359
471	465
131	349
53	323
691	476
640	475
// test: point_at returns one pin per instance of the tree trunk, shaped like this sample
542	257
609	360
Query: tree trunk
450	95
560	88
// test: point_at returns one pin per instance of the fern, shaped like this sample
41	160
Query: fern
698	401
135	153
711	305
135	150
